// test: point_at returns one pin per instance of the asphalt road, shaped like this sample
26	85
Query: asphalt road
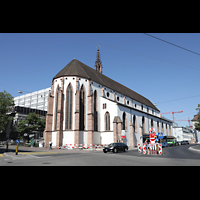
172	156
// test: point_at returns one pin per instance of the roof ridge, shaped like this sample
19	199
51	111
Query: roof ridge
77	68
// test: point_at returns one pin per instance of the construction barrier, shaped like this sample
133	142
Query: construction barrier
144	149
82	146
160	149
139	148
153	149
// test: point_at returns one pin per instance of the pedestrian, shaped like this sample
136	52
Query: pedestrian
146	144
50	145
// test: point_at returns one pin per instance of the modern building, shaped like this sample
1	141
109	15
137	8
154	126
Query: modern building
183	133
87	107
33	102
197	133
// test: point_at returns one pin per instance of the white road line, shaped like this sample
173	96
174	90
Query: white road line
194	149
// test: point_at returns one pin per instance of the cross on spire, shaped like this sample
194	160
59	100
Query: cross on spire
97	47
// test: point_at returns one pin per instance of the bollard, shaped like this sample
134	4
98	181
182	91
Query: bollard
7	147
16	150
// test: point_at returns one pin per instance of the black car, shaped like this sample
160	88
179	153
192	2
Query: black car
184	142
115	147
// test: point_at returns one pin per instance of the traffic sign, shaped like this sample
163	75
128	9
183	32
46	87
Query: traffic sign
152	131
17	141
123	134
160	135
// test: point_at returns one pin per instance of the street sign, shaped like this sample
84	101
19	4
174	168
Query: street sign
160	135
17	141
152	131
123	134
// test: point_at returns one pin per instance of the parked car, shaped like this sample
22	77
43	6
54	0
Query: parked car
186	141
182	142
164	144
115	147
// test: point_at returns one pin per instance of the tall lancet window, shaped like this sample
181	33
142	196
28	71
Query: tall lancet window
124	123
107	121
95	112
69	103
82	109
56	108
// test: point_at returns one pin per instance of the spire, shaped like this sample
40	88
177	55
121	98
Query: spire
98	63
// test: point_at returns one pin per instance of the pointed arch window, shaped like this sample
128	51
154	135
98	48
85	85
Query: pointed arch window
95	112
134	124
69	104
82	109
56	108
143	125
124	123
158	129
151	123
107	121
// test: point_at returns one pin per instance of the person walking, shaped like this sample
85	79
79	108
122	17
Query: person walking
50	145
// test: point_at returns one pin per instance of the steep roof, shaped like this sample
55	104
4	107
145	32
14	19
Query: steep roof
77	68
195	118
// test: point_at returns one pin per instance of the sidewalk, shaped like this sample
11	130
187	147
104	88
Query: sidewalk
32	150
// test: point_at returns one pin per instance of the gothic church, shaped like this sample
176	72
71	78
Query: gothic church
87	107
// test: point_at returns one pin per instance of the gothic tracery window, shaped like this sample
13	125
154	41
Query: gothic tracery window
69	103
95	112
56	108
107	121
81	109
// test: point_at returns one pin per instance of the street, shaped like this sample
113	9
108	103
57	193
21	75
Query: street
172	156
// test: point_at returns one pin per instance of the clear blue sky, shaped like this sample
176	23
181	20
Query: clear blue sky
29	61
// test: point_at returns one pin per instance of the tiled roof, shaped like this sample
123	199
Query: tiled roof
77	68
195	118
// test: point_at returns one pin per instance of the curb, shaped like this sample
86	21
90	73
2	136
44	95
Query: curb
192	149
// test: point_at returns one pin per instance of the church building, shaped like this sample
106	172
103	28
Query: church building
87	107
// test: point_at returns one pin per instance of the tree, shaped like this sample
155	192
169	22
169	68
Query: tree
197	125
33	123
6	108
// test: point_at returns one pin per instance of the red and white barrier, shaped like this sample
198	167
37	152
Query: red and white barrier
139	148
160	149
144	149
82	146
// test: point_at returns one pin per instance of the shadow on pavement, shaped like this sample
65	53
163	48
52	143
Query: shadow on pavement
3	149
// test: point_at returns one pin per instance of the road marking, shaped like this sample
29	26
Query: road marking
194	149
29	153
1	155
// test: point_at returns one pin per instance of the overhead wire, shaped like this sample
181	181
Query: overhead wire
15	88
145	56
178	99
130	51
172	44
